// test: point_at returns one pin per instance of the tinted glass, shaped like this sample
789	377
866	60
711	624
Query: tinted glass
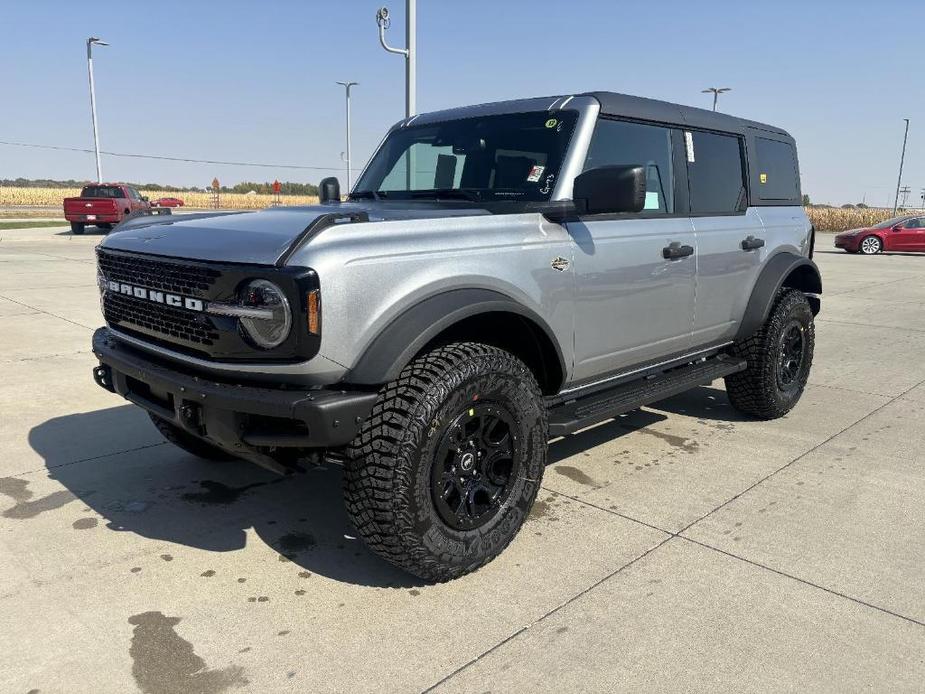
632	144
101	192
506	157
715	176
777	170
887	223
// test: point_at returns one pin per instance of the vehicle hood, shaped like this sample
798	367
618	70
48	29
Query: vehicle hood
258	238
853	232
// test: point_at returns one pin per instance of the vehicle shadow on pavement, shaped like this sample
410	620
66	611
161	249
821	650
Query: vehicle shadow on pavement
162	493
703	402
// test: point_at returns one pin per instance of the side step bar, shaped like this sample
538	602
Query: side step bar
573	415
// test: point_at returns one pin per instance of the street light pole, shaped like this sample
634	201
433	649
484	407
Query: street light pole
96	136
347	86
716	91
902	160
410	52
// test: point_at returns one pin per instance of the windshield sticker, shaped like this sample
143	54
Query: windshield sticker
535	173
689	142
763	178
548	186
552	123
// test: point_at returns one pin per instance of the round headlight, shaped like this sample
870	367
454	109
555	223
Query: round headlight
270	322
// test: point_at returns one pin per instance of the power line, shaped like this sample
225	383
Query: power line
183	159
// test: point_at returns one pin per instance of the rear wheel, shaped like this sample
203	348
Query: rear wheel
871	245
77	228
189	443
779	358
445	470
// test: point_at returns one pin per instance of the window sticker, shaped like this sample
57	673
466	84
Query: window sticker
689	144
651	201
535	174
552	123
763	178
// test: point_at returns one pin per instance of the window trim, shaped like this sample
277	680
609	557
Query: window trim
679	195
746	173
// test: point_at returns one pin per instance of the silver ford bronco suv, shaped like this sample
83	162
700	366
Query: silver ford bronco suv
500	275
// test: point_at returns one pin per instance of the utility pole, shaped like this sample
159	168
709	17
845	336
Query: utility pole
347	86
716	91
902	160
96	137
410	52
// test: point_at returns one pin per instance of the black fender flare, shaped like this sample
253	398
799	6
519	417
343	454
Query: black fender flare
398	343
783	269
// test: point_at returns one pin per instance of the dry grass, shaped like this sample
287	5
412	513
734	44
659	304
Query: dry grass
52	198
824	218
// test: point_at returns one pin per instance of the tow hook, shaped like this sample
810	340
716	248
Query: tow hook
191	416
102	374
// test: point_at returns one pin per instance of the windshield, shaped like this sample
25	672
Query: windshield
890	222
101	192
514	156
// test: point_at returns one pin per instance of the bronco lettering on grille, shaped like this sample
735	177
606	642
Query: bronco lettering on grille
156	296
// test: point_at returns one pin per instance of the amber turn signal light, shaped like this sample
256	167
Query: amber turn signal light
314	316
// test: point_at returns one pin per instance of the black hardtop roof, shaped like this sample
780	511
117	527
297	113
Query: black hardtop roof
614	104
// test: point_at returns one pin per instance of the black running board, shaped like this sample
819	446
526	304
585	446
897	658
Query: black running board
572	415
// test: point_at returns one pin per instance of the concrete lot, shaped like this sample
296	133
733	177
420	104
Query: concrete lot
679	547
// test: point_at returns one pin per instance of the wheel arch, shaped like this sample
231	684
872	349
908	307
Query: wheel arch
478	315
782	270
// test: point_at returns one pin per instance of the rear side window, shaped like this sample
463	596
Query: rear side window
632	144
778	178
101	192
715	173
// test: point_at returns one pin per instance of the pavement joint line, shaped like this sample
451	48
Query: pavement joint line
852	390
44	356
607	510
872	286
51	255
539	619
831	591
47	313
87	460
869	325
802	455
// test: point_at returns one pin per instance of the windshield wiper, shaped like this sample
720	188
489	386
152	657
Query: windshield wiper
448	194
366	195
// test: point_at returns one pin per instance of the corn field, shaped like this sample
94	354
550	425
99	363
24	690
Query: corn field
52	197
823	218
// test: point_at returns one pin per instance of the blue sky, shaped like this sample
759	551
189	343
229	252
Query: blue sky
249	81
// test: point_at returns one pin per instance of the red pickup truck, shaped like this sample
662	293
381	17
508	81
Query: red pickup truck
103	205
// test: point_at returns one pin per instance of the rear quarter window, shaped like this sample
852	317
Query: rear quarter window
778	177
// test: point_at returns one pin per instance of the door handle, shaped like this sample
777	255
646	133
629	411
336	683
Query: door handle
675	251
750	243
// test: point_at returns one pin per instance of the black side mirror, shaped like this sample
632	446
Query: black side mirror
145	198
610	189
329	190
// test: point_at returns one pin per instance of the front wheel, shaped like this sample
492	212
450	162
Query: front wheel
871	245
445	470
779	358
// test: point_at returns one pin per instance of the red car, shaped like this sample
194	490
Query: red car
168	202
906	233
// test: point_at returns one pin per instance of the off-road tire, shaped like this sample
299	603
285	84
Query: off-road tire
875	249
388	467
757	390
188	442
77	228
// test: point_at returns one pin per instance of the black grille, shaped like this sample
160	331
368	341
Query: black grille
189	280
172	323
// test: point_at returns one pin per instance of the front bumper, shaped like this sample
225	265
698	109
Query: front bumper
248	421
848	243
